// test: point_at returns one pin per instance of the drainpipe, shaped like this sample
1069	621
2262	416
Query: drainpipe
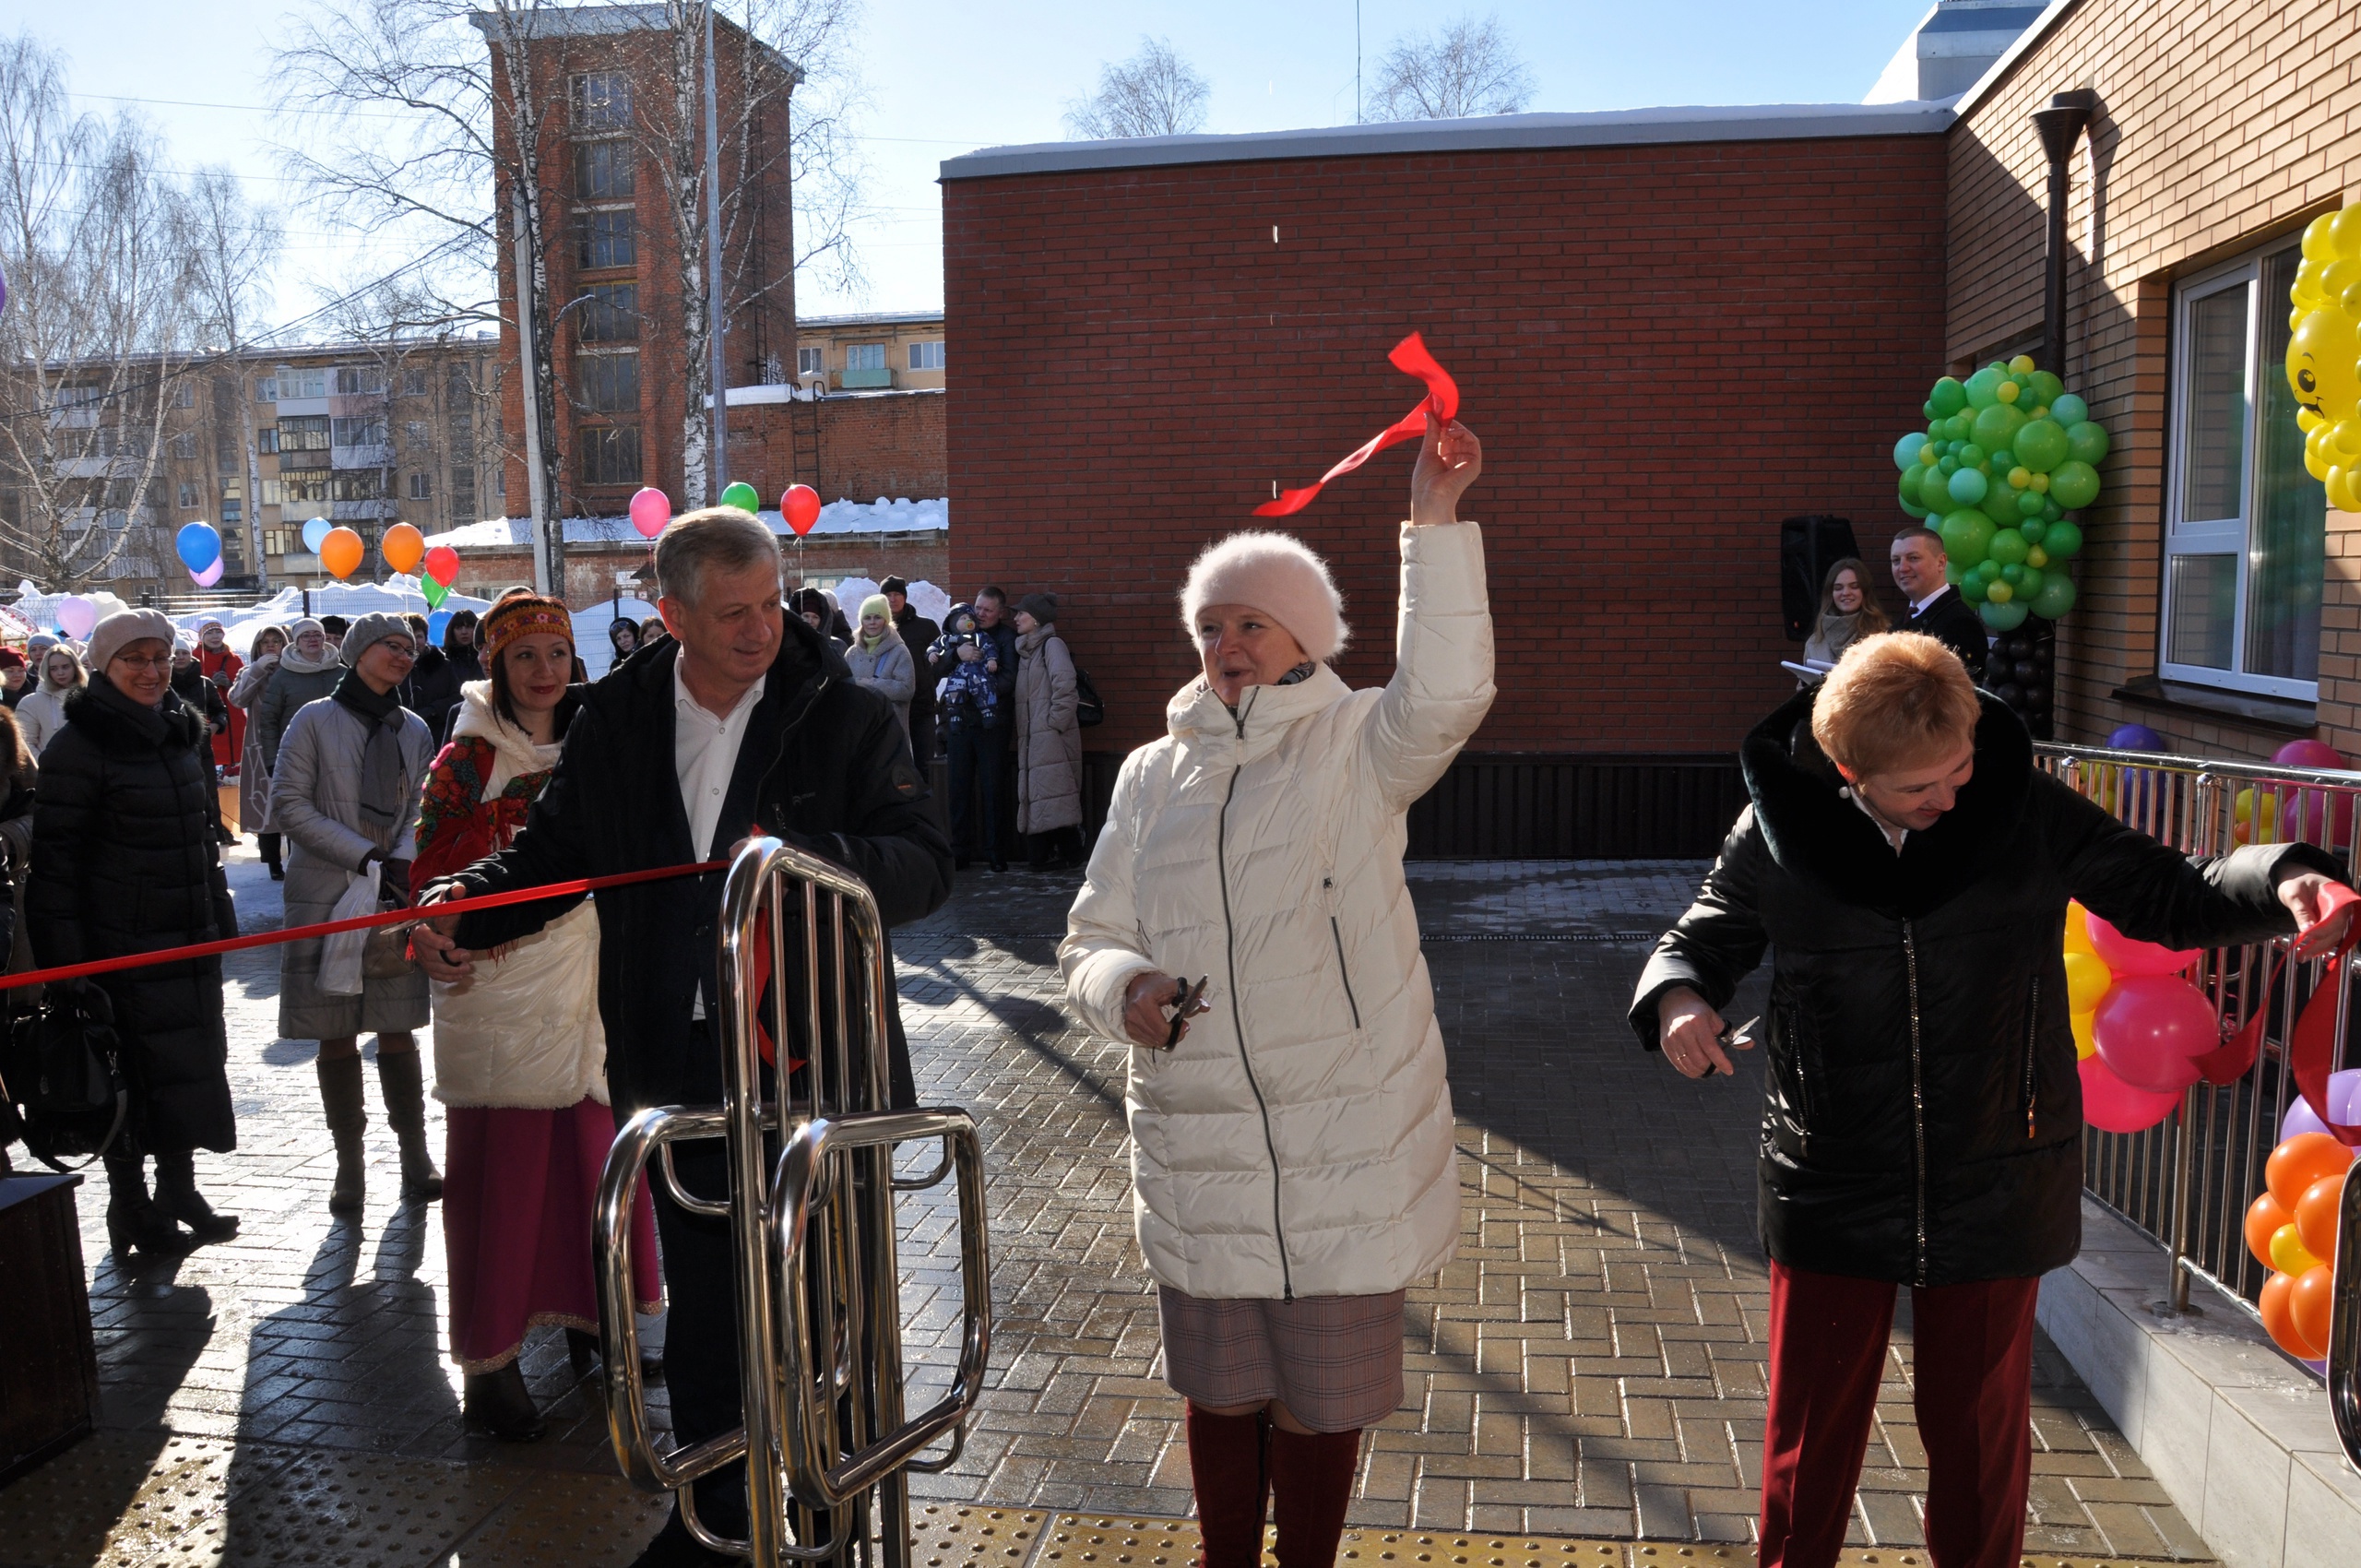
2061	121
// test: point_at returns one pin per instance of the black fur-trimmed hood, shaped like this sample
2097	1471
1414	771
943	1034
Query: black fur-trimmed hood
121	726
1816	833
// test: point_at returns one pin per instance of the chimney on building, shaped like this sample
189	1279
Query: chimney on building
1952	48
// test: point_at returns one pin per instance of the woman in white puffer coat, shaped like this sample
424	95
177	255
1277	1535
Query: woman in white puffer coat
1292	1160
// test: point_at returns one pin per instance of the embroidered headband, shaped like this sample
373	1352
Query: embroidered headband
522	617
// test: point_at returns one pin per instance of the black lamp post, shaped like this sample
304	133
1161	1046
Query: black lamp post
2061	121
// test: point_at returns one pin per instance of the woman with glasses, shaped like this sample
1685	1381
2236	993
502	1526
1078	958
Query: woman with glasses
124	861
345	793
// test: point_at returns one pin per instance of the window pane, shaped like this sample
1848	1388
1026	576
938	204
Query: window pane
612	314
2287	546
602	170
2203	599
2213	437
611	383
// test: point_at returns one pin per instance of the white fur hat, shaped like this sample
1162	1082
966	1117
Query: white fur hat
1275	573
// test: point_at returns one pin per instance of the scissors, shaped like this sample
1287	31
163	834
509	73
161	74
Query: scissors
1741	1037
1191	997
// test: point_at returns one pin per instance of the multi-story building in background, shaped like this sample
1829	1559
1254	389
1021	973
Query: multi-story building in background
882	351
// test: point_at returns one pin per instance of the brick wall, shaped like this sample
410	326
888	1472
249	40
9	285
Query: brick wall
848	448
1665	350
2220	128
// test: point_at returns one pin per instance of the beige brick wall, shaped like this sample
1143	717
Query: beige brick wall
2221	125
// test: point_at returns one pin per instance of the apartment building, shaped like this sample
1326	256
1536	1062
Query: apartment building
899	351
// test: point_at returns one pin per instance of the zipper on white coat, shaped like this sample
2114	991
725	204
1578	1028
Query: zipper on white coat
1343	970
1237	1019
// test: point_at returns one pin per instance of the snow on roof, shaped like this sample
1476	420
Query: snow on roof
882	516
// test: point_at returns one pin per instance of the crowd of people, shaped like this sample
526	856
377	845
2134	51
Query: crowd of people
1292	1139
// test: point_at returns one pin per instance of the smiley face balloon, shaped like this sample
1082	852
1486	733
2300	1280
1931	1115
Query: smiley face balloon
2320	364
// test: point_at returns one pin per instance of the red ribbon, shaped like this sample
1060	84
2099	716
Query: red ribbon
2311	1048
1411	358
359	923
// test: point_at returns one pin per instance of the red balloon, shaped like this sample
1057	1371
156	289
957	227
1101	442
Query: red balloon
2308	754
2113	1106
443	564
2149	1028
800	508
2127	955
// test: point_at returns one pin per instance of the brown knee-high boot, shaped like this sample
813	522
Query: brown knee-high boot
348	1117
402	1081
1228	1468
1312	1485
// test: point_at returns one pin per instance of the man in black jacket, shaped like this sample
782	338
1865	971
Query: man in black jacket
918	635
1922	1118
747	723
980	752
1936	608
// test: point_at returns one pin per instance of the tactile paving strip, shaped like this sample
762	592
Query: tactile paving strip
566	1520
345	1509
1405	1547
118	1498
1103	1540
972	1534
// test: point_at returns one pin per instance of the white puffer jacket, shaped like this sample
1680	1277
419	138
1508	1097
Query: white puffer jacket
522	1030
1298	1142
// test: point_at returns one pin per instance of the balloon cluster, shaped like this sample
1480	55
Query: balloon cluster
2019	668
2005	456
402	548
2138	1027
652	509
200	551
2325	319
2291	1230
2277	814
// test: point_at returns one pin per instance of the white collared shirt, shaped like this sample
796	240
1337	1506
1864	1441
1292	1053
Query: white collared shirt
1919	606
704	753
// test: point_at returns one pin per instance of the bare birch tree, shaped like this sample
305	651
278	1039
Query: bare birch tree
231	244
1153	93
1467	68
95	345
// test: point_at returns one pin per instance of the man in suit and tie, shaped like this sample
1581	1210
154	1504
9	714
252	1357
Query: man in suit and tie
1936	607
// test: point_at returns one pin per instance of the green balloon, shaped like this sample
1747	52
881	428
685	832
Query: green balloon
1966	536
744	497
1971	586
2047	388
434	592
1959	424
2068	410
2000	505
2034	529
1907	494
2029	504
2008	547
2062	540
1948	397
1989	572
1983	388
1967	487
2003	460
1997	427
1934	488
1970	455
2050	510
2002	617
2088	442
2042	445
2013	574
2056	598
2074	485
2029	581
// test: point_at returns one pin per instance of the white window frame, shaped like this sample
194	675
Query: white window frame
2229	536
865	351
811	361
927	354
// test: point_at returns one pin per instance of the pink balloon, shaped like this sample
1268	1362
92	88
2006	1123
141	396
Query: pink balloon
650	510
2127	955
2150	1029
2308	754
75	616
208	577
2113	1106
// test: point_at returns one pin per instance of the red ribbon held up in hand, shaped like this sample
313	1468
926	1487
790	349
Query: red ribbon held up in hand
2311	1045
1410	357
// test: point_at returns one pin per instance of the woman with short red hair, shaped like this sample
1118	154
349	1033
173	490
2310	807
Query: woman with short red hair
1922	1115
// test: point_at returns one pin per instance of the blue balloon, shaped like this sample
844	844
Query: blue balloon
2136	738
2068	410
436	624
314	531
1905	451
198	545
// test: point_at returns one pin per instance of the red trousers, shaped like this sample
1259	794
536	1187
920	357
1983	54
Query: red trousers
1972	1373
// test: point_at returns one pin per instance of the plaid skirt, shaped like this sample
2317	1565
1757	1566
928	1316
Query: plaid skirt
1335	1362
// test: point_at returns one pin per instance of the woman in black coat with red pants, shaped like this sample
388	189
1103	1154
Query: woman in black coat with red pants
1922	1112
126	858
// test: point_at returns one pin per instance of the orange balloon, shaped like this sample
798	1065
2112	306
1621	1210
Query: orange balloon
2279	1317
403	547
2303	1160
2308	1307
2316	1217
2264	1217
340	553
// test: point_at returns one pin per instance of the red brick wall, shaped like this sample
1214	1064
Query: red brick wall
1665	350
2219	127
867	445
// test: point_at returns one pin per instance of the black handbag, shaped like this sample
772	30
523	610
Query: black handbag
1087	709
63	1076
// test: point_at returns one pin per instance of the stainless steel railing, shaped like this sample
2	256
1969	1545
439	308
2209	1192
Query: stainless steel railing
825	1441
2188	1180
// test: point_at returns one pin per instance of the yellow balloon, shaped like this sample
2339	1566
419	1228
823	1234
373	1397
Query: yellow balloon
2087	978
2340	489
2007	391
2019	477
2248	803
2078	927
2287	1252
2040	486
2337	276
2036	557
2000	593
2020	365
2305	290
2086	1044
2344	232
2319	457
2307	421
2320	243
2319	360
2344	437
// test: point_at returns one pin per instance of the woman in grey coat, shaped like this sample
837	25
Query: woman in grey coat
253	764
308	671
1048	734
881	662
345	793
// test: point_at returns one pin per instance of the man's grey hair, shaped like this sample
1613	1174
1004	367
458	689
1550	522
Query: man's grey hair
716	536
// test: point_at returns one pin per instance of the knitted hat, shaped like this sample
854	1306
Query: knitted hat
369	631
522	616
894	584
1275	573
875	604
296	628
184	641
1042	607
11	659
111	635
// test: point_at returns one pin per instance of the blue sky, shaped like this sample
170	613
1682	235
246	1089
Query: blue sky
946	75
